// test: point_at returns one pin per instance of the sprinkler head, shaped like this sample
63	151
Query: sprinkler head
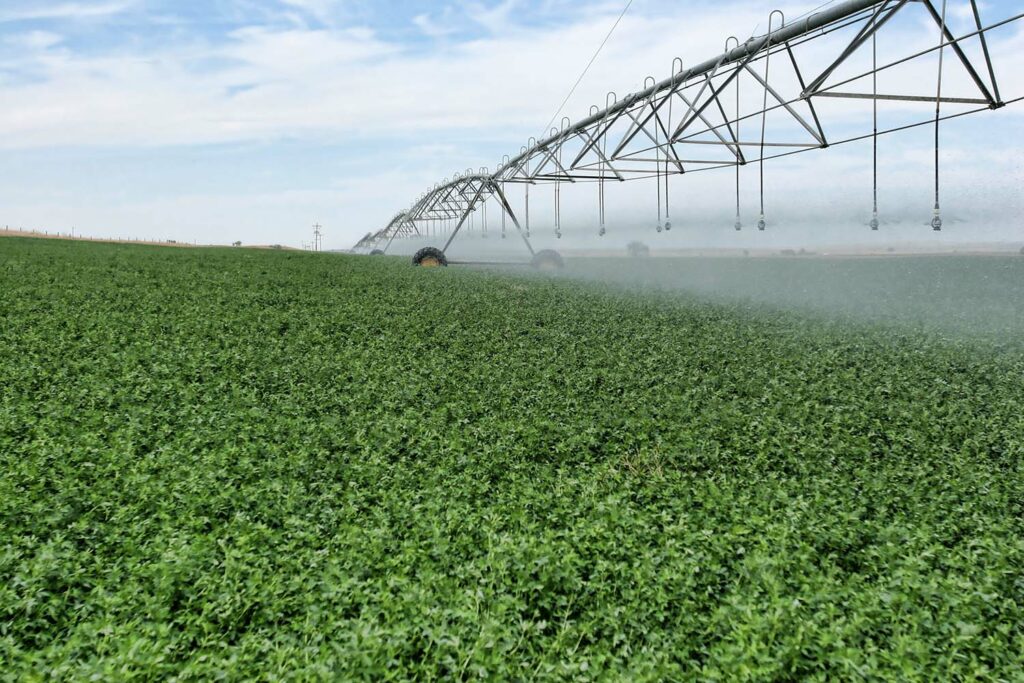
668	226
558	234
937	224
659	227
738	225
600	233
761	223
502	235
874	221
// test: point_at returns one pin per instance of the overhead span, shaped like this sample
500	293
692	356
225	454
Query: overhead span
758	100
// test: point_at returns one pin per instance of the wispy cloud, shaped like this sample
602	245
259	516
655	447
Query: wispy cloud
291	81
324	11
67	11
34	40
434	28
495	18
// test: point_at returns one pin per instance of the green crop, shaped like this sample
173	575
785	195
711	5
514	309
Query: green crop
269	465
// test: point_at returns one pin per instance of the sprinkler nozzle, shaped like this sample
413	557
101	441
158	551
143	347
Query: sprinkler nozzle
762	223
668	226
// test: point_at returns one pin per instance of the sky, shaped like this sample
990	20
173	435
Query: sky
251	120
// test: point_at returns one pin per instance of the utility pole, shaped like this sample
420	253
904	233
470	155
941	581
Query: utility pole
317	237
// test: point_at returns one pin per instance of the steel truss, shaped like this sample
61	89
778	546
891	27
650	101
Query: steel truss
693	120
402	225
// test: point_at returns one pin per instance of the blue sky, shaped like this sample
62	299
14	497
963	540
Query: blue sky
218	120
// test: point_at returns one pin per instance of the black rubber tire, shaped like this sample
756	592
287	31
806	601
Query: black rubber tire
377	252
430	257
548	259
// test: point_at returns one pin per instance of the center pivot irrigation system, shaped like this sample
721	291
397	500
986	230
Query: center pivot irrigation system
781	87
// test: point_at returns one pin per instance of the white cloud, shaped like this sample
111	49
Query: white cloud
336	83
325	11
67	10
315	82
495	19
434	28
34	40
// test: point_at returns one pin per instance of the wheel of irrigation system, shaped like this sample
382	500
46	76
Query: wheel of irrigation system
548	259
430	257
377	252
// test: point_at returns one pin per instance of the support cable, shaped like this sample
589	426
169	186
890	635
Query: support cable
502	188
761	223
526	211
600	183
874	135
668	221
600	189
657	171
657	148
937	217
590	63
558	209
738	225
558	200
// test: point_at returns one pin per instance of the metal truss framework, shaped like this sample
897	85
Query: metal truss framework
692	121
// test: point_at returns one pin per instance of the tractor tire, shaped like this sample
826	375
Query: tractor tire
430	257
548	259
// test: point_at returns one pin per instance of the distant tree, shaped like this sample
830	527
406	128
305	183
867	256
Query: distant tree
236	244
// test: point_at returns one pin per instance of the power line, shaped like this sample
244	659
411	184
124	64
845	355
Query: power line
589	64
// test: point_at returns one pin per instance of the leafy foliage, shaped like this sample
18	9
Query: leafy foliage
242	464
